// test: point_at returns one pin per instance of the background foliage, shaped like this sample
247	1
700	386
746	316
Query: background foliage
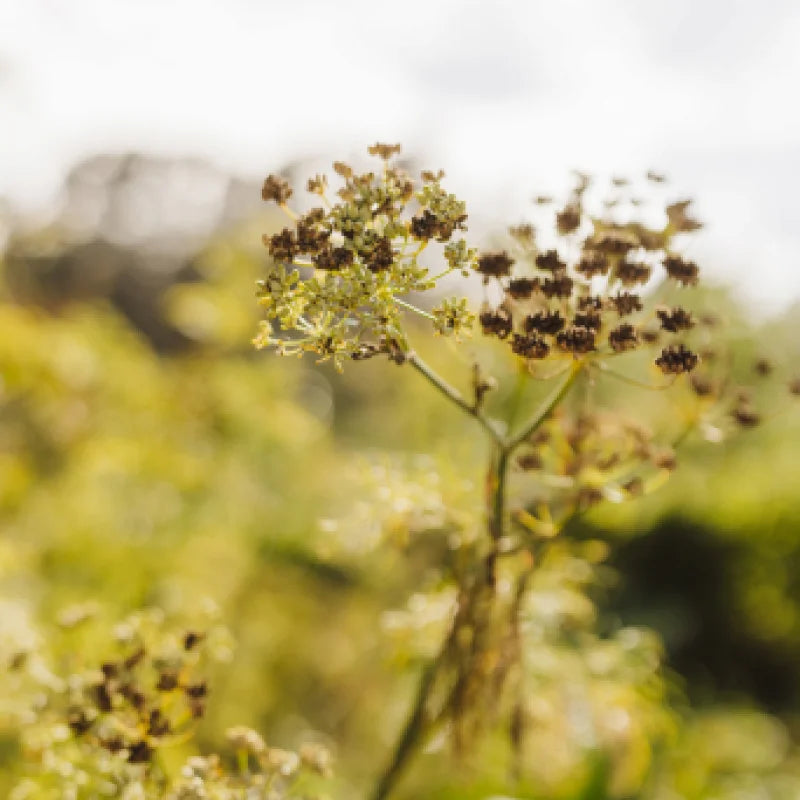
187	473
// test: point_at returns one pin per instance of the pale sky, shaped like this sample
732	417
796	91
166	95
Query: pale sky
506	96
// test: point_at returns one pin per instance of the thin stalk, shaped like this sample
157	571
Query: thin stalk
453	395
412	733
420	720
546	409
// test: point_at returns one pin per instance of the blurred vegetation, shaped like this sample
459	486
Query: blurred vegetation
166	465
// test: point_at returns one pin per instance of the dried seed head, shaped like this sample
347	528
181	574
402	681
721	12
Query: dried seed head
560	285
630	273
544	322
679	269
626	303
522	288
679	219
676	359
702	385
675	319
494	264
529	346
623	338
576	339
593	263
276	189
550	261
568	220
496	323
762	367
529	461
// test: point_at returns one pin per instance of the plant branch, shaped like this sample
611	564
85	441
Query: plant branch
546	409
454	396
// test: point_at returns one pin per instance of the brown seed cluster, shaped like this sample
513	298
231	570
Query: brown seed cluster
563	299
139	702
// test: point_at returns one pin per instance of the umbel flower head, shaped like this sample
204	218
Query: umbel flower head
583	297
340	272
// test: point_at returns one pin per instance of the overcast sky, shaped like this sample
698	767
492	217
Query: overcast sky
506	96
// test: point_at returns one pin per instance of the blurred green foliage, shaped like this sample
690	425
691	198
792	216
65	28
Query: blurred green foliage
215	478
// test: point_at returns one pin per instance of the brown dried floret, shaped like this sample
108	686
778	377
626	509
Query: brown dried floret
568	220
544	322
524	233
623	337
560	285
611	242
340	168
656	177
529	346
381	256
592	264
591	302
675	319
746	416
139	753
665	459
425	226
522	288
276	189
429	176
197	690
679	219
309	238
588	319
550	261
495	264
634	486
702	385
529	461
191	639
79	721
498	323
631	273
317	185
167	680
762	367
576	339
101	697
332	258
283	245
626	303
679	269
384	151
794	387
158	724
676	359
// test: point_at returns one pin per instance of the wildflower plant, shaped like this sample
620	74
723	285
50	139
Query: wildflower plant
597	296
110	728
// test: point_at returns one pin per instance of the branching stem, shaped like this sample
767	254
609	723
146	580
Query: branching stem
418	724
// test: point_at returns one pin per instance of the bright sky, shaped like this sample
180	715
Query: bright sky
506	96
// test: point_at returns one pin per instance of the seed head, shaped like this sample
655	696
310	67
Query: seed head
276	189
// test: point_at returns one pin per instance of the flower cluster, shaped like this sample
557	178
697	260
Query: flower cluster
583	295
341	270
103	730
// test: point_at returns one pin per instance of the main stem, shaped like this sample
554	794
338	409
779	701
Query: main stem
419	722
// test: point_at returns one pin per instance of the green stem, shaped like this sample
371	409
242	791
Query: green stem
453	395
412	733
420	719
546	408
